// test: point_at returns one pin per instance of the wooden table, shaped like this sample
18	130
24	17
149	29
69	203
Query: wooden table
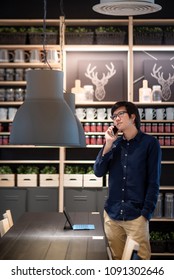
41	236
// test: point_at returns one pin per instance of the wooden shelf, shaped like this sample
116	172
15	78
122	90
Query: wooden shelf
30	161
28	47
27	147
164	188
152	104
153	48
79	161
162	220
28	65
97	48
157	121
162	254
4	133
10	103
12	83
28	22
129	50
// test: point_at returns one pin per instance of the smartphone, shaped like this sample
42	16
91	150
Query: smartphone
115	129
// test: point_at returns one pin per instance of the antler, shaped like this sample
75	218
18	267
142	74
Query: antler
155	72
170	79
91	75
166	91
94	76
160	77
111	72
100	83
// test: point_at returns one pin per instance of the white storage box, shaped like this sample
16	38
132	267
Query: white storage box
73	180
7	180
90	180
48	180
27	180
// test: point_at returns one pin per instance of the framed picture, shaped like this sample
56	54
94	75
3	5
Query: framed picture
158	69
105	71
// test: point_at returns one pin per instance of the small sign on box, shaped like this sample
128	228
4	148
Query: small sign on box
7	180
90	180
27	180
49	180
73	180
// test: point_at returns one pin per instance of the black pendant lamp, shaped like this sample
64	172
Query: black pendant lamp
70	99
44	118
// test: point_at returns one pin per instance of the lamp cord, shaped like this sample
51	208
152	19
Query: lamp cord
44	35
62	8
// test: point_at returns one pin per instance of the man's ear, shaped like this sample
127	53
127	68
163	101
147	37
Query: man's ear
133	117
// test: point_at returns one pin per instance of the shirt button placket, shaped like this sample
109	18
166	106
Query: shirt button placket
124	182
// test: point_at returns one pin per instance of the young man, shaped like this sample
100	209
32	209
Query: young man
133	162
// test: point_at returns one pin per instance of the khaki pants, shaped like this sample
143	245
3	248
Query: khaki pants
117	232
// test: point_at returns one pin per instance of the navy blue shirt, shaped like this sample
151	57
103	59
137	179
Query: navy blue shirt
134	169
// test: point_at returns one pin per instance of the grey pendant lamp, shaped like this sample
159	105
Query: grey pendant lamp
70	99
126	7
45	118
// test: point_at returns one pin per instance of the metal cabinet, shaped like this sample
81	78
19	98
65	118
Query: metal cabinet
42	199
13	199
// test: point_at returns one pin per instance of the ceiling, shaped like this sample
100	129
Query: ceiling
78	9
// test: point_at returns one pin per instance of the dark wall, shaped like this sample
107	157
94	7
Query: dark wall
78	9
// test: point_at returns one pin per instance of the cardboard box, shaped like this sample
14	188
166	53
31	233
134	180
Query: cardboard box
27	180
7	180
90	180
48	180
73	180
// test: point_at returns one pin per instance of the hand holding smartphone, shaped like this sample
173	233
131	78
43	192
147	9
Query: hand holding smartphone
115	129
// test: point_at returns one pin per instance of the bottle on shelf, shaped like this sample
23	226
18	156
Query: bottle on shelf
156	93
169	205
158	213
145	93
78	91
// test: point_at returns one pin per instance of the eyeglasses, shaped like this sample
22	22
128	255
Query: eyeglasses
120	115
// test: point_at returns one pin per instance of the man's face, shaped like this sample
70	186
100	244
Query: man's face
122	120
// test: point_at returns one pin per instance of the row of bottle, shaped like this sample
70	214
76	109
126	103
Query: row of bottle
95	139
166	140
145	127
4	140
11	74
164	206
147	94
157	127
11	94
5	127
96	126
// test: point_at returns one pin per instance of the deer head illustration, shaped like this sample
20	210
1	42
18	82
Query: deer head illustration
166	91
100	83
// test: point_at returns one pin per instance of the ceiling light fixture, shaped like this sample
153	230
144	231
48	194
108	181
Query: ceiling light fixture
45	119
126	7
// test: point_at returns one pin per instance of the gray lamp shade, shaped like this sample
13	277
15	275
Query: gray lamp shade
70	99
45	118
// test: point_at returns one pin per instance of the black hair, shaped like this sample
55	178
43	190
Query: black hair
131	108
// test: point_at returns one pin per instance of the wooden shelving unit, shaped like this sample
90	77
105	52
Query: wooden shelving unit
63	49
